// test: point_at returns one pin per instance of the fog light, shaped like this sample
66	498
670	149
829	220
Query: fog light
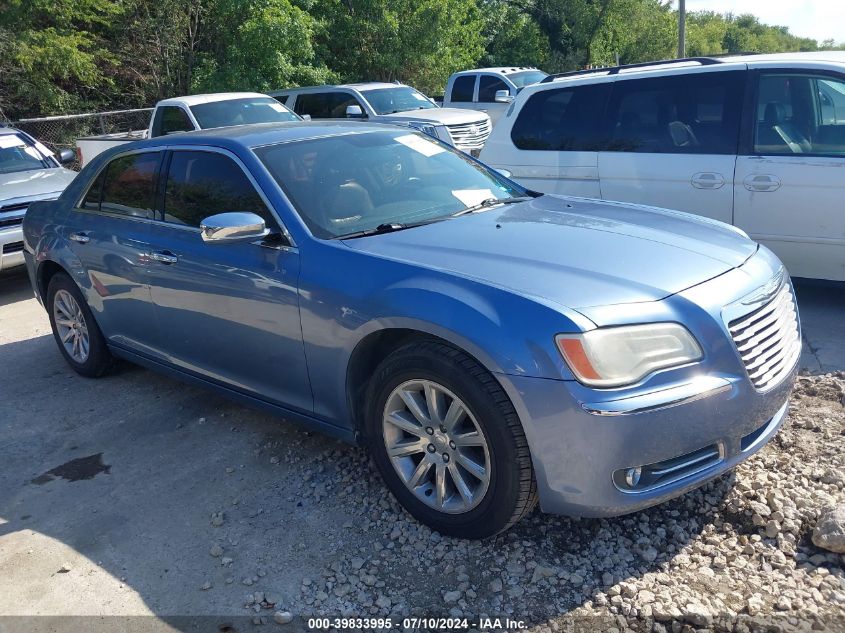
632	476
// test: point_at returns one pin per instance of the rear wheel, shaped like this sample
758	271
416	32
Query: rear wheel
448	442
77	334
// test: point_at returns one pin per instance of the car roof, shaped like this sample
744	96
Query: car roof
258	134
503	70
192	100
666	66
367	85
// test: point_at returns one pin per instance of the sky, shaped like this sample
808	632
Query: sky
819	19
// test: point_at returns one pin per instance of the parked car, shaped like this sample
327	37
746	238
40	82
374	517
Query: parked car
390	103
194	112
29	171
489	90
755	141
490	345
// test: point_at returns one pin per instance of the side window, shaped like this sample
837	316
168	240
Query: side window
564	119
283	99
170	119
200	184
488	85
324	105
697	113
800	114
463	89
129	186
91	201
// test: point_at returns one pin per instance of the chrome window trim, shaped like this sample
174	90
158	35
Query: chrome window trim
193	148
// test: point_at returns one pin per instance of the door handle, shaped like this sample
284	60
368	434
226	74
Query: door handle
82	238
707	180
762	182
165	257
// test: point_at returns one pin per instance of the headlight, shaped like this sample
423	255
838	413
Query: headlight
425	128
616	356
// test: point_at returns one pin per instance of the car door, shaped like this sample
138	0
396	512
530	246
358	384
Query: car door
225	311
790	181
671	141
462	92
108	232
488	85
555	138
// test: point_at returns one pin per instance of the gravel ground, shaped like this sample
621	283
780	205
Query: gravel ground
138	495
736	550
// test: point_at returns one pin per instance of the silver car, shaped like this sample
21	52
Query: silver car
29	171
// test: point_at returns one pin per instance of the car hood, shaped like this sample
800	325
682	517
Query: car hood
445	116
572	251
35	183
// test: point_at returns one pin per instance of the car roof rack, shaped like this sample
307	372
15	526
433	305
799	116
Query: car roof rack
614	70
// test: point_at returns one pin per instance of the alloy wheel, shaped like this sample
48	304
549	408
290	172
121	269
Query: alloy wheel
436	446
71	326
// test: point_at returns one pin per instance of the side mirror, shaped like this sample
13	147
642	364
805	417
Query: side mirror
66	156
233	227
503	96
354	112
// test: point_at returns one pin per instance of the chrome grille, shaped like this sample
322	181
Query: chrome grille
470	135
768	339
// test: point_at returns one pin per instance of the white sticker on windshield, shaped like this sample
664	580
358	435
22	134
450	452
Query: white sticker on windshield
34	153
420	144
10	140
472	197
278	107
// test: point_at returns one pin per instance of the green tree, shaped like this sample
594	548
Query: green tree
258	45
512	37
53	56
417	41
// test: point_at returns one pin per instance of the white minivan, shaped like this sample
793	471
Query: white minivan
757	141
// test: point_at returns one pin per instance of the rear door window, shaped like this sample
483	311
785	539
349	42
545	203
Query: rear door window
201	184
488	85
126	186
563	119
171	119
694	113
324	105
463	89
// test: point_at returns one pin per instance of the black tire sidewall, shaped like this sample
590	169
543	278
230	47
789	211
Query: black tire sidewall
99	359
496	510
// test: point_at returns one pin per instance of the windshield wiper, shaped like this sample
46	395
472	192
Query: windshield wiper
387	227
490	202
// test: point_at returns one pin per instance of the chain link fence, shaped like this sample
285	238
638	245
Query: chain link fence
60	132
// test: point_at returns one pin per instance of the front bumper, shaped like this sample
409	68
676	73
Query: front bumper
11	247
579	454
609	452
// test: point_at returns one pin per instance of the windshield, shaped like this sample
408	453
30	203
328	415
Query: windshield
349	183
241	112
18	154
398	99
527	77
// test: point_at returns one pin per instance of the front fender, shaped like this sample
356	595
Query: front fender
506	332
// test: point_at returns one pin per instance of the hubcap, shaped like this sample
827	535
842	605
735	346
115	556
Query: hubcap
436	446
71	326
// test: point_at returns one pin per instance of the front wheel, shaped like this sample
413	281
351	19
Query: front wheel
77	334
448	442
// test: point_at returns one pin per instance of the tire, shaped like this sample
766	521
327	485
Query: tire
404	388
71	318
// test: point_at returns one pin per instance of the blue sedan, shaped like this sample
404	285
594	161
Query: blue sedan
490	345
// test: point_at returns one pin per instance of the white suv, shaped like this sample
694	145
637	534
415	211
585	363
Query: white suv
757	141
390	103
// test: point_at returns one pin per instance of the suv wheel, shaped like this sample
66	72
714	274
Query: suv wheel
448	442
